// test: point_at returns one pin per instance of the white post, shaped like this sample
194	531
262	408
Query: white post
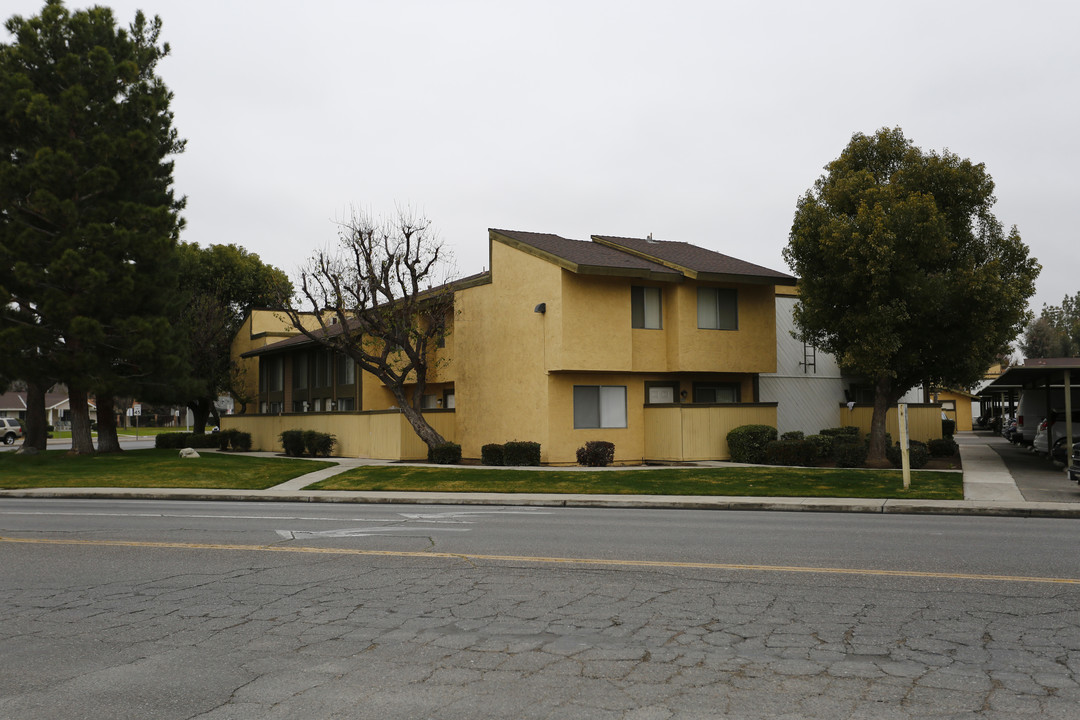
905	462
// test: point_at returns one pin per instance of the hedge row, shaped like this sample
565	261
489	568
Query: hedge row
178	440
298	442
446	454
511	454
596	453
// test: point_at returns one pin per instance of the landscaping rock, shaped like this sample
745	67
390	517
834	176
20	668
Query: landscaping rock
189	453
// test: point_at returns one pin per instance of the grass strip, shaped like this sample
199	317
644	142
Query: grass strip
149	469
741	481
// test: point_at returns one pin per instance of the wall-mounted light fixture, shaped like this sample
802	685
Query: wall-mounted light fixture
541	308
683	394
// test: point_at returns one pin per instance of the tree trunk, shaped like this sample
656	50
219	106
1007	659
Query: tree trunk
37	430
81	442
875	456
416	418
200	411
107	441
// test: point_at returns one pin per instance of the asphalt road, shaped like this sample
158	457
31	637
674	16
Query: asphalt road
215	610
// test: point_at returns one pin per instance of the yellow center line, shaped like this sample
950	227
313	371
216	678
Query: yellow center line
543	560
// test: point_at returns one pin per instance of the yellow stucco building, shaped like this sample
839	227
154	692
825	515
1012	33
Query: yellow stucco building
654	346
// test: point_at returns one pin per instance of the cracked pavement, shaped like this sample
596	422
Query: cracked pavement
93	632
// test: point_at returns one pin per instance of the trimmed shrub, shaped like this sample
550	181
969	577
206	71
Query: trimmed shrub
596	453
918	454
849	454
446	454
841	431
793	435
171	441
791	452
747	442
948	428
241	441
225	437
319	444
822	445
293	442
522	453
942	447
492	454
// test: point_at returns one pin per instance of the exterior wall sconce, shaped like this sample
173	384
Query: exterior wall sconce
541	308
682	394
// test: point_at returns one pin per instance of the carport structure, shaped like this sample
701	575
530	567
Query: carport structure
1036	373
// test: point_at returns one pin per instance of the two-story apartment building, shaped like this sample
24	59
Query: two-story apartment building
655	346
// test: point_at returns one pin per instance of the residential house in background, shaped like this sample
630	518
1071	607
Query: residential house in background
658	347
57	407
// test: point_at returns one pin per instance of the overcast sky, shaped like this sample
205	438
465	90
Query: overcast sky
695	121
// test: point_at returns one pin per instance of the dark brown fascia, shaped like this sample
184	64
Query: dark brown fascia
746	279
581	269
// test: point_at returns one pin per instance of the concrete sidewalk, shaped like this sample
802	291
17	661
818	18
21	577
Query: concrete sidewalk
989	489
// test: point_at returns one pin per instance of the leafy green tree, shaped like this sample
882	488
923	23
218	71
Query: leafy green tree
1056	332
222	283
904	273
88	219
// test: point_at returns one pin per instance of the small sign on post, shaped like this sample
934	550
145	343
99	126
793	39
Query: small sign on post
905	463
136	410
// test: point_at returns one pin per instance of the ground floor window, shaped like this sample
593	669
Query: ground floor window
716	393
599	406
661	393
346	404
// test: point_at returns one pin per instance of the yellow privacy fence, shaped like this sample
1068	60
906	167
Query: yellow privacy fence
924	420
384	434
696	432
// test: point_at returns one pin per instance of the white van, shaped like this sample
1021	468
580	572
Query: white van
1032	410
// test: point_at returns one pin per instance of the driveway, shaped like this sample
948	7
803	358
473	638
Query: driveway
1038	479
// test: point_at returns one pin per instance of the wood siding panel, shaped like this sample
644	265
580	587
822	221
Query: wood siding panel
924	421
689	433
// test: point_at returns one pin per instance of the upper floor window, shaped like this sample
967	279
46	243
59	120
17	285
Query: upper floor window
645	310
717	308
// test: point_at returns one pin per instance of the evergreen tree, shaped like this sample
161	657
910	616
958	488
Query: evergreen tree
88	219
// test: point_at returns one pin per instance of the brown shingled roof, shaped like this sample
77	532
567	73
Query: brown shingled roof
694	260
588	257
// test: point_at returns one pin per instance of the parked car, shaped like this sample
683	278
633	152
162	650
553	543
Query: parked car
1009	430
1057	453
1041	443
10	430
1073	470
1052	432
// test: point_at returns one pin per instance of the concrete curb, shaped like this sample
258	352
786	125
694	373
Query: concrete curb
830	505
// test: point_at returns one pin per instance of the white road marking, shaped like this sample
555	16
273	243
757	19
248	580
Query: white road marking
360	532
452	517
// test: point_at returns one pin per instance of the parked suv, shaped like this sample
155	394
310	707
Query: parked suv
10	430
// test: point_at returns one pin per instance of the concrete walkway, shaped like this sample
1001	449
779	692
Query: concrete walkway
989	489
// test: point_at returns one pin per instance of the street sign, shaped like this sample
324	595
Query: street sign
136	409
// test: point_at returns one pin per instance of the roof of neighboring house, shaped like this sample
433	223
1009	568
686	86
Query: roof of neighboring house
17	400
695	261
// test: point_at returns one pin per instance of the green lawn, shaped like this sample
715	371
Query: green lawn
149	468
146	431
763	481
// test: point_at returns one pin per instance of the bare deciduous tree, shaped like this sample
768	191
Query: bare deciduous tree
383	299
